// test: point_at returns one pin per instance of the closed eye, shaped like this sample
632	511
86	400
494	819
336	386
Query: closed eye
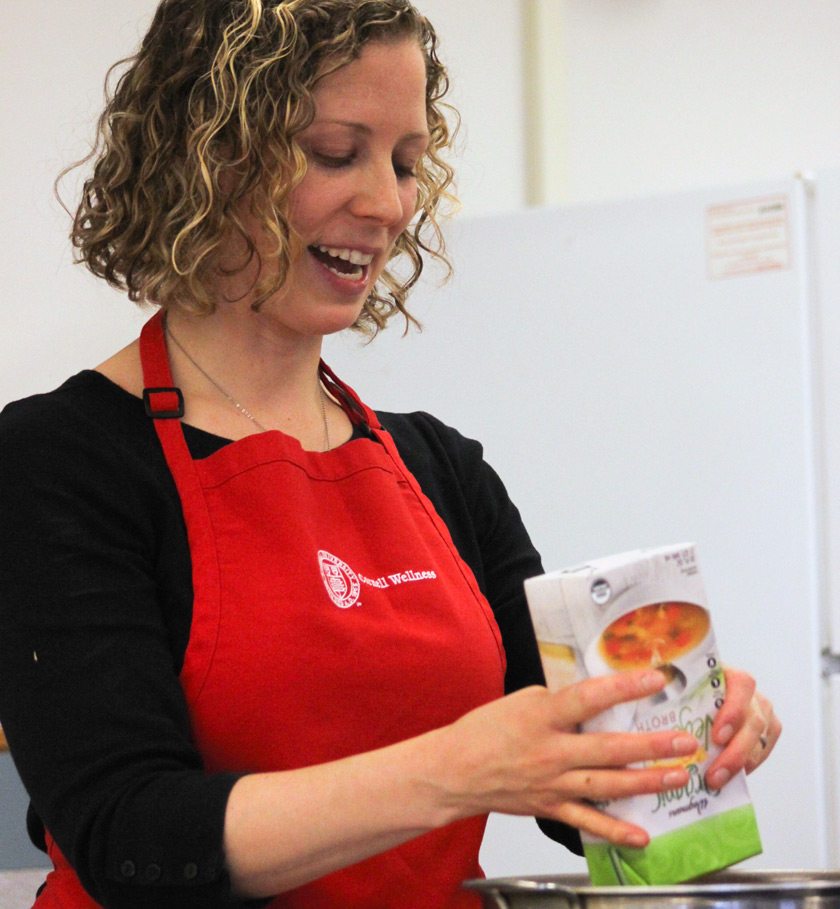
334	160
404	171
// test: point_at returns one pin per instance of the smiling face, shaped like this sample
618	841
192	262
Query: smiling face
359	192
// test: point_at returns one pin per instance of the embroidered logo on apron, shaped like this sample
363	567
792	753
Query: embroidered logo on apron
341	581
343	584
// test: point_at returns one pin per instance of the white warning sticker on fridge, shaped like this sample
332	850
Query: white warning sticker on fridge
748	236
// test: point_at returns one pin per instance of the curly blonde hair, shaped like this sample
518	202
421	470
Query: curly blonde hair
221	88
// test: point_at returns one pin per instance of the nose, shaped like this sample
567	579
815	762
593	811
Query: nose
377	194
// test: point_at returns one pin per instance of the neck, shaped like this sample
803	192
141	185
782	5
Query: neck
241	374
263	355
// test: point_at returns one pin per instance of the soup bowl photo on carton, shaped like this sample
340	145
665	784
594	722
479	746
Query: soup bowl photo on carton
653	626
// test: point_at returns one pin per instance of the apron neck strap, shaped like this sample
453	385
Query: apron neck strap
356	410
163	401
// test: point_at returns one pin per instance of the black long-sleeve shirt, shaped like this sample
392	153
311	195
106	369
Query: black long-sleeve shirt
95	611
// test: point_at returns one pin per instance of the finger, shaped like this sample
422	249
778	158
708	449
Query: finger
736	755
590	820
740	689
621	749
598	785
766	742
584	700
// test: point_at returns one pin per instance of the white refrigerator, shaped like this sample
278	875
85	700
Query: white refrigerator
651	371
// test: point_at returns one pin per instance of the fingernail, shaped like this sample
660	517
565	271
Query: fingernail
636	840
684	744
719	778
674	778
725	735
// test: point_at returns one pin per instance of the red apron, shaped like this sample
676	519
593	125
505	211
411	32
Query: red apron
332	615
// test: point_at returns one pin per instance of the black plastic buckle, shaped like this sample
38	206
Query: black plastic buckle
169	414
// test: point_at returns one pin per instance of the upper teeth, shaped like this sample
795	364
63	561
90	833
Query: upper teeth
349	255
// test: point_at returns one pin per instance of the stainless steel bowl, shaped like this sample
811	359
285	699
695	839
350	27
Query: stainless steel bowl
725	890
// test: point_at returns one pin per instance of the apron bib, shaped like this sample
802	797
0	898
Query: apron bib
332	615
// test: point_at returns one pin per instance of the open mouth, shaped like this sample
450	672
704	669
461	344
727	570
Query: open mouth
349	264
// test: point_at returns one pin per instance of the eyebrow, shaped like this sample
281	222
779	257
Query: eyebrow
364	128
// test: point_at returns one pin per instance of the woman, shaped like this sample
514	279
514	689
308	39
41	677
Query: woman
275	642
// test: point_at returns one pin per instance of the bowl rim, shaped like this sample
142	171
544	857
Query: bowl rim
735	883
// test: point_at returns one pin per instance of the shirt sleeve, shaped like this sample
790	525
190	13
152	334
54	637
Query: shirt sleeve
89	694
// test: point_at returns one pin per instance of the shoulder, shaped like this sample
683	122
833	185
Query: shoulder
422	437
87	435
449	466
85	402
87	406
37	429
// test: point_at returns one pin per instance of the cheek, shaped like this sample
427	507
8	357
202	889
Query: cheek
310	204
410	204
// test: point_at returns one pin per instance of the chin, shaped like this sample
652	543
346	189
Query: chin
317	316
335	319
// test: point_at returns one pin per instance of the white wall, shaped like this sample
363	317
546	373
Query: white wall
660	95
55	318
487	88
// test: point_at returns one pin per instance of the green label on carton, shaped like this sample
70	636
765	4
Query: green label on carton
700	848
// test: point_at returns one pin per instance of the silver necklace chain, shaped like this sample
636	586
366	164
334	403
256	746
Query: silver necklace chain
243	410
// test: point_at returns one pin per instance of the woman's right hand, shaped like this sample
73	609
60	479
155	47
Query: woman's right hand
522	754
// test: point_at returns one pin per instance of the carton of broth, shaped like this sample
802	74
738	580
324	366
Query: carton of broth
630	611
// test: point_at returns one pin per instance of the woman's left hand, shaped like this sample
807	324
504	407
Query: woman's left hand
745	727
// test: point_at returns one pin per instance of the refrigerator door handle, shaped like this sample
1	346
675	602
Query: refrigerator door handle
830	663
